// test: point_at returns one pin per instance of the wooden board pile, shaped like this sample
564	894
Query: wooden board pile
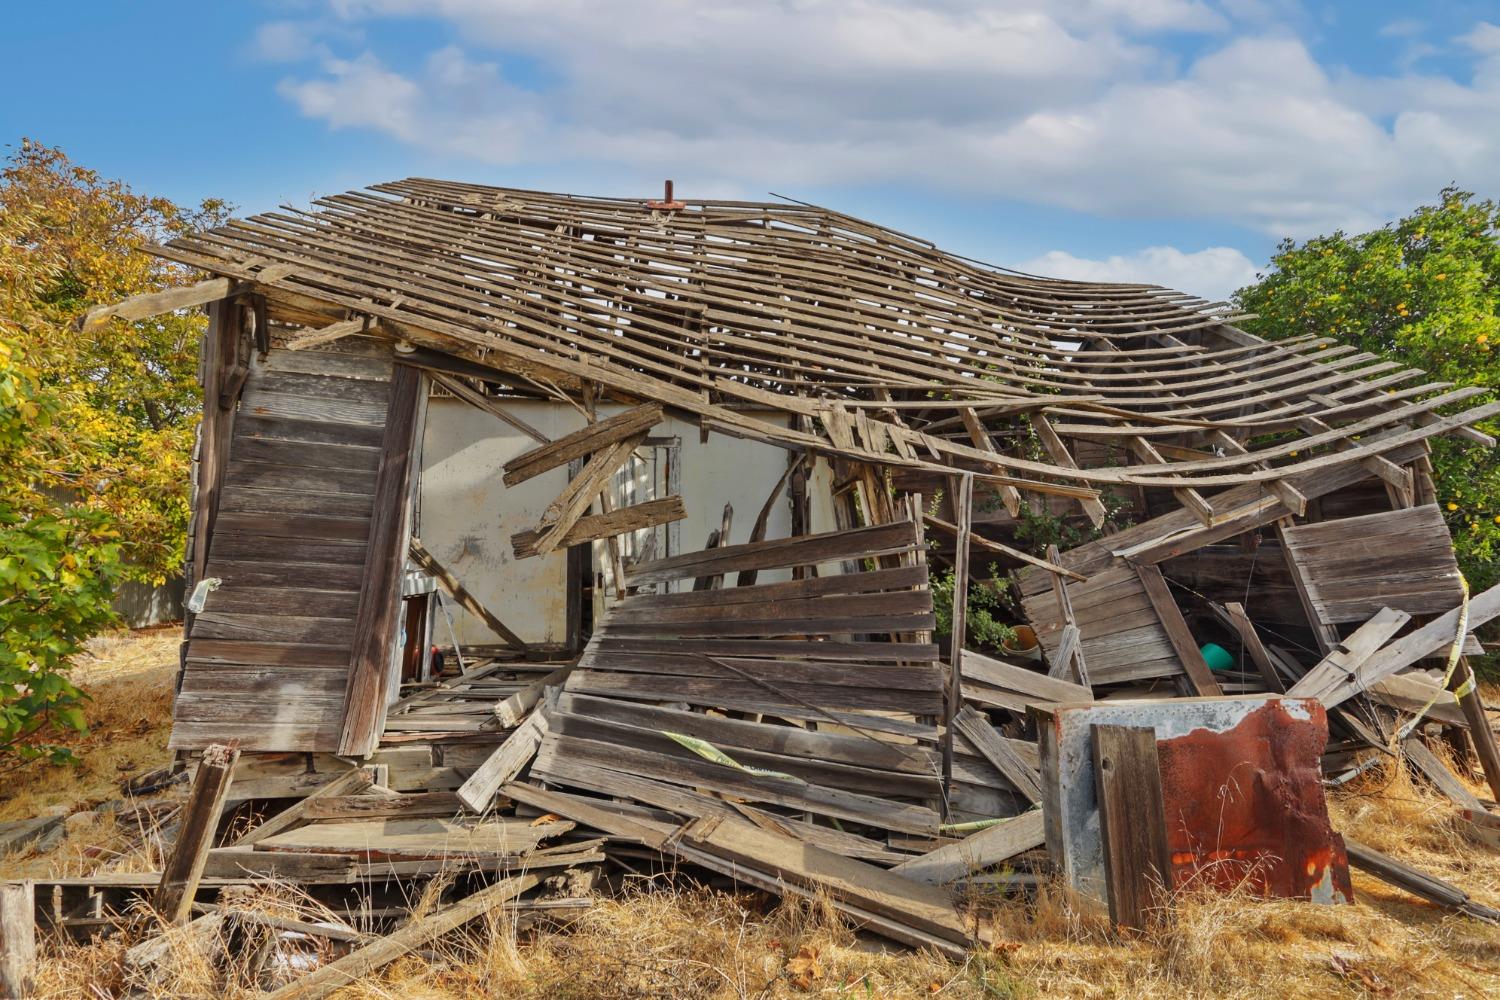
775	712
791	735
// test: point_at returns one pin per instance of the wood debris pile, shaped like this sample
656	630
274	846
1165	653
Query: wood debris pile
1176	509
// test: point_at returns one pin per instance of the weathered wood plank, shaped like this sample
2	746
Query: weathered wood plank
594	437
905	900
504	764
994	749
608	525
348	783
195	836
1177	631
1333	679
17	939
377	623
976	852
149	304
1132	823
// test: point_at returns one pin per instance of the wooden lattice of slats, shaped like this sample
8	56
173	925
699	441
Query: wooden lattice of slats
268	658
892	350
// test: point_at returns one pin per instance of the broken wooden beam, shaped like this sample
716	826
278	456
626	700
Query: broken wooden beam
606	525
978	851
1335	678
502	766
998	684
513	710
1176	627
1256	649
993	747
383	951
195	835
330	333
1060	455
593	438
348	783
149	304
999	548
1437	634
480	401
573	502
1429	887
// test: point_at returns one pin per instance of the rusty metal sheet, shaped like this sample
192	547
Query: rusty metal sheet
1245	806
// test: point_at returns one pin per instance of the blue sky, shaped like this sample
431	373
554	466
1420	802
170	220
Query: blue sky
1166	140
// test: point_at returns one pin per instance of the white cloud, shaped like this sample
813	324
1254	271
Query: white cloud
1212	273
287	41
1072	104
1402	27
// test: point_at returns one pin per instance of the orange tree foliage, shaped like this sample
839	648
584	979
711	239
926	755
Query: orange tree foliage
125	394
1424	291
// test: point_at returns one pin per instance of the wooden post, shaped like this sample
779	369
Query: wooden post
184	867
378	617
1132	822
17	939
1479	724
963	513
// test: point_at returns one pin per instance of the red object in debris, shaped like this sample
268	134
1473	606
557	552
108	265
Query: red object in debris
1245	806
667	204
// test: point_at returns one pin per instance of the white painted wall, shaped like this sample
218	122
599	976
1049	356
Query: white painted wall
467	515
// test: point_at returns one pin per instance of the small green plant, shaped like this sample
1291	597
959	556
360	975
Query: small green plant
1038	529
986	601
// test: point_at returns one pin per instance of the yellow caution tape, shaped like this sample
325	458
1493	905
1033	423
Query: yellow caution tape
1454	655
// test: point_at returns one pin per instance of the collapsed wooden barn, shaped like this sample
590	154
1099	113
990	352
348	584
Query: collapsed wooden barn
669	481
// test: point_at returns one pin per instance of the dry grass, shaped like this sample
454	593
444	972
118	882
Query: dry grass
660	939
128	678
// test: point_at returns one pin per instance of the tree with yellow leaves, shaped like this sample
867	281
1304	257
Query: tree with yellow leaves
126	393
96	429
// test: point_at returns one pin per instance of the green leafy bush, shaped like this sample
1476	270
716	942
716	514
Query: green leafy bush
982	627
58	571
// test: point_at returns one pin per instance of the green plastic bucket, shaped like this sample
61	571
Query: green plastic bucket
1216	656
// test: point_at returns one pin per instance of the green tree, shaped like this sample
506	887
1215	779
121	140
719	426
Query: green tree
1425	292
58	569
96	428
126	394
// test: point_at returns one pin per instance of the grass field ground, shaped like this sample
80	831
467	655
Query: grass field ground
660	939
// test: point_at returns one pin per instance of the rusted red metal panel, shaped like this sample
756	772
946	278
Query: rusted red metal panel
1245	806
